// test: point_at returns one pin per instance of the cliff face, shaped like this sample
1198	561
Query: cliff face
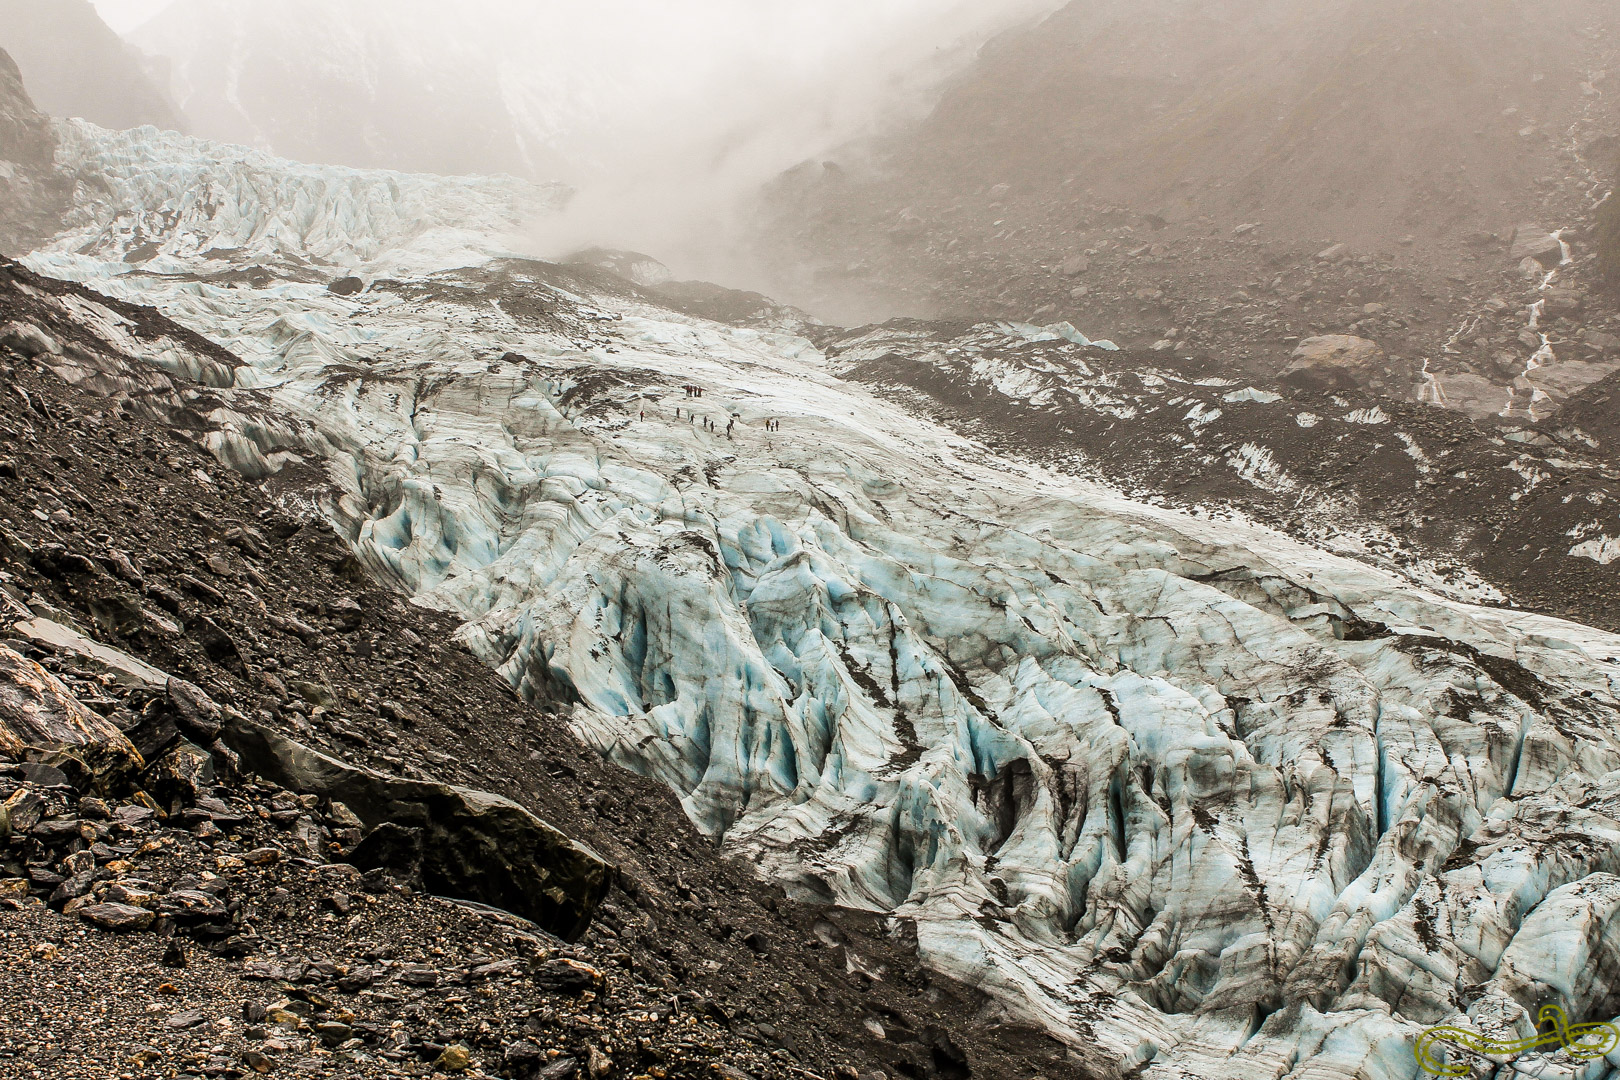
76	66
25	135
28	197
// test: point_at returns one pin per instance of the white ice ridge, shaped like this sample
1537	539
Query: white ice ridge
172	204
1207	802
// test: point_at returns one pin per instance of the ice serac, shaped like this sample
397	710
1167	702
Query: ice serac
1205	801
171	204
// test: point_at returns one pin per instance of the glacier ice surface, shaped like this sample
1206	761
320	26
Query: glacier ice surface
1205	801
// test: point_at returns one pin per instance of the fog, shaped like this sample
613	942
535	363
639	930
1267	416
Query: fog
664	117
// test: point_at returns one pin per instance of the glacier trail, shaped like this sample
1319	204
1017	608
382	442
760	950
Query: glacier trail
1203	800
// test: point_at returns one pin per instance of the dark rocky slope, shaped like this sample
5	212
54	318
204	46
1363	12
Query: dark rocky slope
31	196
76	66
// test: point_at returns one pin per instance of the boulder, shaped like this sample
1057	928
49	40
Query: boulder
1472	395
1562	300
1334	361
195	713
1534	242
41	720
475	845
1075	265
28	340
118	917
1602	343
85	654
346	286
185	771
1562	381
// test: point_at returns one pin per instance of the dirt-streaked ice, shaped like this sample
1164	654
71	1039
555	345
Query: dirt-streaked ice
1202	799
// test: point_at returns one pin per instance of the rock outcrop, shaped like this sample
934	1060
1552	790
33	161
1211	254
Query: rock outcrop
1535	242
42	721
472	844
25	133
31	197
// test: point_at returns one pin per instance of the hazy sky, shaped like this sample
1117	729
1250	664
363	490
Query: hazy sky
126	15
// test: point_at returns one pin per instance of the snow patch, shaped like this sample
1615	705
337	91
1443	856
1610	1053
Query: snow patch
1256	465
1603	550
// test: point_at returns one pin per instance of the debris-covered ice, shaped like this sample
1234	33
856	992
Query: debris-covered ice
1196	796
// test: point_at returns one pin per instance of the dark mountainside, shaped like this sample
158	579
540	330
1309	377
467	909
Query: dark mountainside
76	66
32	197
226	913
1226	178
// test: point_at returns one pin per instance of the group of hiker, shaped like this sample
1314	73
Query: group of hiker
708	424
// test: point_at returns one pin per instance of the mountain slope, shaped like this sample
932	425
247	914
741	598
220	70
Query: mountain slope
1198	798
76	66
1100	163
30	194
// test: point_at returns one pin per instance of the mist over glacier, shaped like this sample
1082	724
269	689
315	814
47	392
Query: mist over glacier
663	117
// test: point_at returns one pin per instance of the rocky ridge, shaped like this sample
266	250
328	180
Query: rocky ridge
31	195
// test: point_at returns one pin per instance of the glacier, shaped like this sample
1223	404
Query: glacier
1203	800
